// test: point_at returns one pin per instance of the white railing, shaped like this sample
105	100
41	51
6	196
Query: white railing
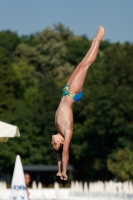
83	191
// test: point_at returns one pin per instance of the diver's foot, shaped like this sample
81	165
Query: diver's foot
100	34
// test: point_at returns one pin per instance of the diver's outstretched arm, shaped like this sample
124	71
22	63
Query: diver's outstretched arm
59	161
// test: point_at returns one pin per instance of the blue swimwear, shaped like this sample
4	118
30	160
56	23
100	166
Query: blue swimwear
75	97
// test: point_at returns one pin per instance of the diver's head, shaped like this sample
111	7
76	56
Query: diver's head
57	142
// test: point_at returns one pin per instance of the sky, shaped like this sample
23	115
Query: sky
82	17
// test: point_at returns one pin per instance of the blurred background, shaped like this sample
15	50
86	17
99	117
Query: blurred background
41	42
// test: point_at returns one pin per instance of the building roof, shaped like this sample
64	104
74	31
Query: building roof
44	168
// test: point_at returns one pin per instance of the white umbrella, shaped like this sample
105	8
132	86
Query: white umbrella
18	188
8	130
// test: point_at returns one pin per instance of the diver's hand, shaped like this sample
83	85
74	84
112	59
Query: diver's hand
64	177
59	174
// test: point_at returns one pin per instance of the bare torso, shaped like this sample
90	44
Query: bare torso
64	116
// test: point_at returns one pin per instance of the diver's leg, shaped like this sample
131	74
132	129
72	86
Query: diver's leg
77	78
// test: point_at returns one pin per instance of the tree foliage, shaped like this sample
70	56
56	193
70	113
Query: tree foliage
33	70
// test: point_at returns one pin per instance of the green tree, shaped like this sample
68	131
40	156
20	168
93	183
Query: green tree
31	89
8	42
120	163
6	87
64	32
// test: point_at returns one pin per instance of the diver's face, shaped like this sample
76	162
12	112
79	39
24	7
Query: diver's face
56	141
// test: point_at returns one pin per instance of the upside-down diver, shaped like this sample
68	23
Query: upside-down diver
72	92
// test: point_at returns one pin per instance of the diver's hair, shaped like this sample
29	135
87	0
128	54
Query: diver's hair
61	148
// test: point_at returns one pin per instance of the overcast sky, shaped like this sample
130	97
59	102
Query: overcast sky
82	17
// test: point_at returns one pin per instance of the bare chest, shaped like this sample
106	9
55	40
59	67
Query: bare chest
64	119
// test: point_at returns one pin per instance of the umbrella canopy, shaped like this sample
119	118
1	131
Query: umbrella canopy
18	187
8	130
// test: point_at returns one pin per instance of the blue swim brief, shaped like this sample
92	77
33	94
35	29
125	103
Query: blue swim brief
75	97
